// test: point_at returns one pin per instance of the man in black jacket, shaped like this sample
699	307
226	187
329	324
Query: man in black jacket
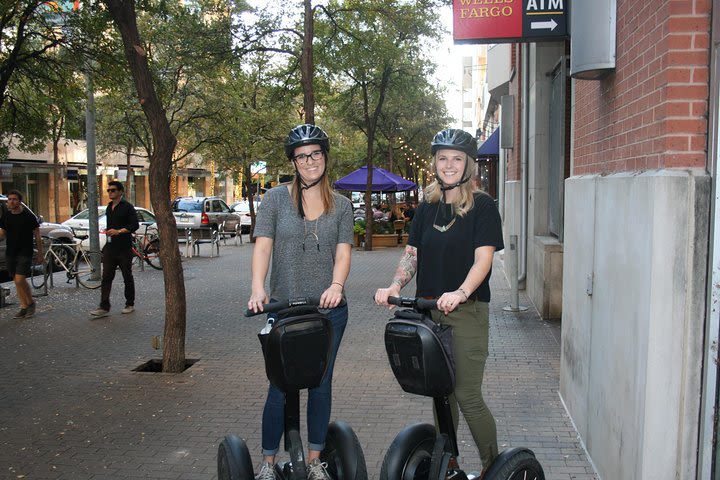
122	221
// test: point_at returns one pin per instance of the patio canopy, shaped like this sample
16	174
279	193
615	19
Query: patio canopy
382	181
491	146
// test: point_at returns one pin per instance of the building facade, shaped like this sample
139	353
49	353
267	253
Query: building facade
36	175
610	187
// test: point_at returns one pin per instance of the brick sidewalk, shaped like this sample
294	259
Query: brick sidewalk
72	408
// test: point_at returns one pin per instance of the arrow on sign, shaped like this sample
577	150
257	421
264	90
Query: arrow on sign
543	25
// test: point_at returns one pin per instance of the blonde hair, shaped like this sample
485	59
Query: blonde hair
464	202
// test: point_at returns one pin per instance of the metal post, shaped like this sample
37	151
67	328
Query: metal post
92	183
511	269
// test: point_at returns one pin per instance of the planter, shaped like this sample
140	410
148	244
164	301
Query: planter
388	240
359	239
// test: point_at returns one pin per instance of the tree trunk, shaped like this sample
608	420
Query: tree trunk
306	64
56	171
123	14
371	125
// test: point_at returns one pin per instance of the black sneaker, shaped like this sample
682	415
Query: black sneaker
21	314
30	310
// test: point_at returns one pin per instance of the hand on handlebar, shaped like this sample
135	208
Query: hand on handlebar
257	300
449	301
382	294
331	297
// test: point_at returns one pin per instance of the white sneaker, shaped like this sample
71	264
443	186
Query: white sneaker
316	470
267	472
100	312
128	309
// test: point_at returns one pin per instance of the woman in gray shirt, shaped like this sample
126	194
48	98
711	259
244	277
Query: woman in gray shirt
306	231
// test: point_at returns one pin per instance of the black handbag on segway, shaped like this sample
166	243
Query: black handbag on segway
420	355
297	352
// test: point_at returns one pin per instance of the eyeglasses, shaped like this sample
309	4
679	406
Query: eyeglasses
111	190
316	155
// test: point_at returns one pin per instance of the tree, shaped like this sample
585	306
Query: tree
124	16
376	46
35	72
258	112
414	113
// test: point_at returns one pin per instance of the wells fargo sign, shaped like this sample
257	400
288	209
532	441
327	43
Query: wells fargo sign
497	21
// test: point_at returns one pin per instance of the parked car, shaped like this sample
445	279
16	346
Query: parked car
243	209
80	224
49	231
204	213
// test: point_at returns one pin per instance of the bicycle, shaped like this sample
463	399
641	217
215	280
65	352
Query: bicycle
146	247
84	267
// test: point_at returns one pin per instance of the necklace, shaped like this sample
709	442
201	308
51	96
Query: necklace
448	226
313	233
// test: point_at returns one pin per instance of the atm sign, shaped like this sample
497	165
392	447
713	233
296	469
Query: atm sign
497	21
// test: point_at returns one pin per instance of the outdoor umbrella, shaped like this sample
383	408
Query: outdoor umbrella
382	181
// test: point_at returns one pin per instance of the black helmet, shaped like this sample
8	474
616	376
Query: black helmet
455	139
306	134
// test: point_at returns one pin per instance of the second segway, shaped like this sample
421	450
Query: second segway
417	349
297	352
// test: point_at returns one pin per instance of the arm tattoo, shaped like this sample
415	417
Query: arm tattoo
407	267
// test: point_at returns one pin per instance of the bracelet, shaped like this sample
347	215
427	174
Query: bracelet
338	283
463	292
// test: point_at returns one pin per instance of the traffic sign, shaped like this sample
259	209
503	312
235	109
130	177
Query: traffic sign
504	21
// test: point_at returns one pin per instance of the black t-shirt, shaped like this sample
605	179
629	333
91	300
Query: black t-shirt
19	232
445	258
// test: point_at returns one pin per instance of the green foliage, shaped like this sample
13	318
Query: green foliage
359	228
40	93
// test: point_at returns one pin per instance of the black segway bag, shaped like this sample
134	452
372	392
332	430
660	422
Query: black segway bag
417	355
297	348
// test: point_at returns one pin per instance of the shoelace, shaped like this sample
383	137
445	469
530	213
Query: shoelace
266	473
317	471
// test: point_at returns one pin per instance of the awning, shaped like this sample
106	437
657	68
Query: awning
491	146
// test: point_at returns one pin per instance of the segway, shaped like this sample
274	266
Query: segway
417	349
297	350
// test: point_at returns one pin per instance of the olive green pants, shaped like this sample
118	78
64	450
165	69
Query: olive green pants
471	327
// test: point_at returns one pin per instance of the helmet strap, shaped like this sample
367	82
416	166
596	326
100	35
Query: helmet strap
464	179
450	187
304	186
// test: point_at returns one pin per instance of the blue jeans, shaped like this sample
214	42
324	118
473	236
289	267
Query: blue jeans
319	401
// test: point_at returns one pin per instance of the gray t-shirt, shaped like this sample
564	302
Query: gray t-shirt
297	271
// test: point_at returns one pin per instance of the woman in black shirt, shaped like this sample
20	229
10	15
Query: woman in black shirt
454	234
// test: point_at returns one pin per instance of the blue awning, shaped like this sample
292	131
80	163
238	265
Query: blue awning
491	146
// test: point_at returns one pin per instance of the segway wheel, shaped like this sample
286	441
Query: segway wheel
234	462
409	455
343	453
515	464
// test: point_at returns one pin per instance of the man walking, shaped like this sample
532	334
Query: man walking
18	227
122	221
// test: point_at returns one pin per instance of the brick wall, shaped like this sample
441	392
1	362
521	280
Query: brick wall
651	111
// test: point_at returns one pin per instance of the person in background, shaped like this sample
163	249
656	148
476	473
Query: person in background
306	229
122	221
19	227
453	237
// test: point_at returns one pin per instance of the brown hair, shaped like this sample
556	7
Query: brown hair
16	193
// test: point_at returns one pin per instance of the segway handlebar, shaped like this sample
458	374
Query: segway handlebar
274	307
418	303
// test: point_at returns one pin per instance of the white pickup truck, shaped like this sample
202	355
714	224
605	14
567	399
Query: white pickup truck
204	213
